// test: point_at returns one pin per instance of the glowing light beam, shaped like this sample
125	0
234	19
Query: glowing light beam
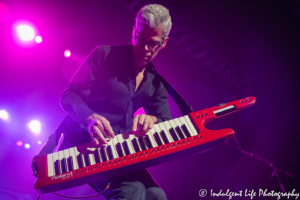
38	39
25	32
67	53
3	114
35	126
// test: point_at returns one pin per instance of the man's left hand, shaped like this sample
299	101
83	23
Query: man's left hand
143	123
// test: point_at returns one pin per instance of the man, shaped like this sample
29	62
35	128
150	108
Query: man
112	83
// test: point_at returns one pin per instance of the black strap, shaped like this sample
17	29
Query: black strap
183	106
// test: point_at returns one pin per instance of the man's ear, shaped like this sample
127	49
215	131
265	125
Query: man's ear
165	43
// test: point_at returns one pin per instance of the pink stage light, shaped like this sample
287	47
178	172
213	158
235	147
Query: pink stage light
3	114
67	53
35	126
25	32
19	143
38	39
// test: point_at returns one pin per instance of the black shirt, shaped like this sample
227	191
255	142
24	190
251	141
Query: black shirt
105	85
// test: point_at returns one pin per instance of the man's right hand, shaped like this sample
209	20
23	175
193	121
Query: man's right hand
99	128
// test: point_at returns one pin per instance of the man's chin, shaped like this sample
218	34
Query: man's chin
143	63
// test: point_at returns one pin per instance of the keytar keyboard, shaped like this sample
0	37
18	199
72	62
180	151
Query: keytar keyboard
127	153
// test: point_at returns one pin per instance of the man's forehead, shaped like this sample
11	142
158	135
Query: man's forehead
147	32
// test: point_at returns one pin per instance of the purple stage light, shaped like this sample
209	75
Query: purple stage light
25	32
27	146
35	126
39	142
3	114
67	53
19	143
38	39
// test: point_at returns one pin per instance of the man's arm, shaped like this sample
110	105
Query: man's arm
73	99
157	111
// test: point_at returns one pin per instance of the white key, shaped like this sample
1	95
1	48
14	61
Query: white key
60	158
120	141
151	137
113	149
173	125
157	130
183	122
141	142
79	150
163	127
67	157
188	121
147	135
131	139
91	149
103	150
168	127
74	158
50	164
178	123
60	155
100	156
126	138
54	159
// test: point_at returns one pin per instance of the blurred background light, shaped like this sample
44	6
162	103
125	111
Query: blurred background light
25	32
3	114
27	146
38	39
19	143
67	53
35	126
39	142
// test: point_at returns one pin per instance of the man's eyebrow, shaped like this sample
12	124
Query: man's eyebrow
155	41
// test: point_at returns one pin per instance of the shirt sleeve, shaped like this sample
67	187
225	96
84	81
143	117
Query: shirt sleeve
74	99
158	105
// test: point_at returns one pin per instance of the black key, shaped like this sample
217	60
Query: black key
186	131
70	164
57	167
109	152
149	141
173	134
103	154
126	148
157	138
64	165
135	145
87	159
142	143
119	149
179	132
164	137
80	159
97	155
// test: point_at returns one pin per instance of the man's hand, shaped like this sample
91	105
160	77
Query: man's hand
99	128
143	123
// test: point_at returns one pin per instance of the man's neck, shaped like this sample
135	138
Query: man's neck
139	69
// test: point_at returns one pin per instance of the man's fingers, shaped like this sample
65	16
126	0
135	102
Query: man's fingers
134	123
141	122
98	133
146	125
107	129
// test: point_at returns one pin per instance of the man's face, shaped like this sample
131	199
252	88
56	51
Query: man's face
147	42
